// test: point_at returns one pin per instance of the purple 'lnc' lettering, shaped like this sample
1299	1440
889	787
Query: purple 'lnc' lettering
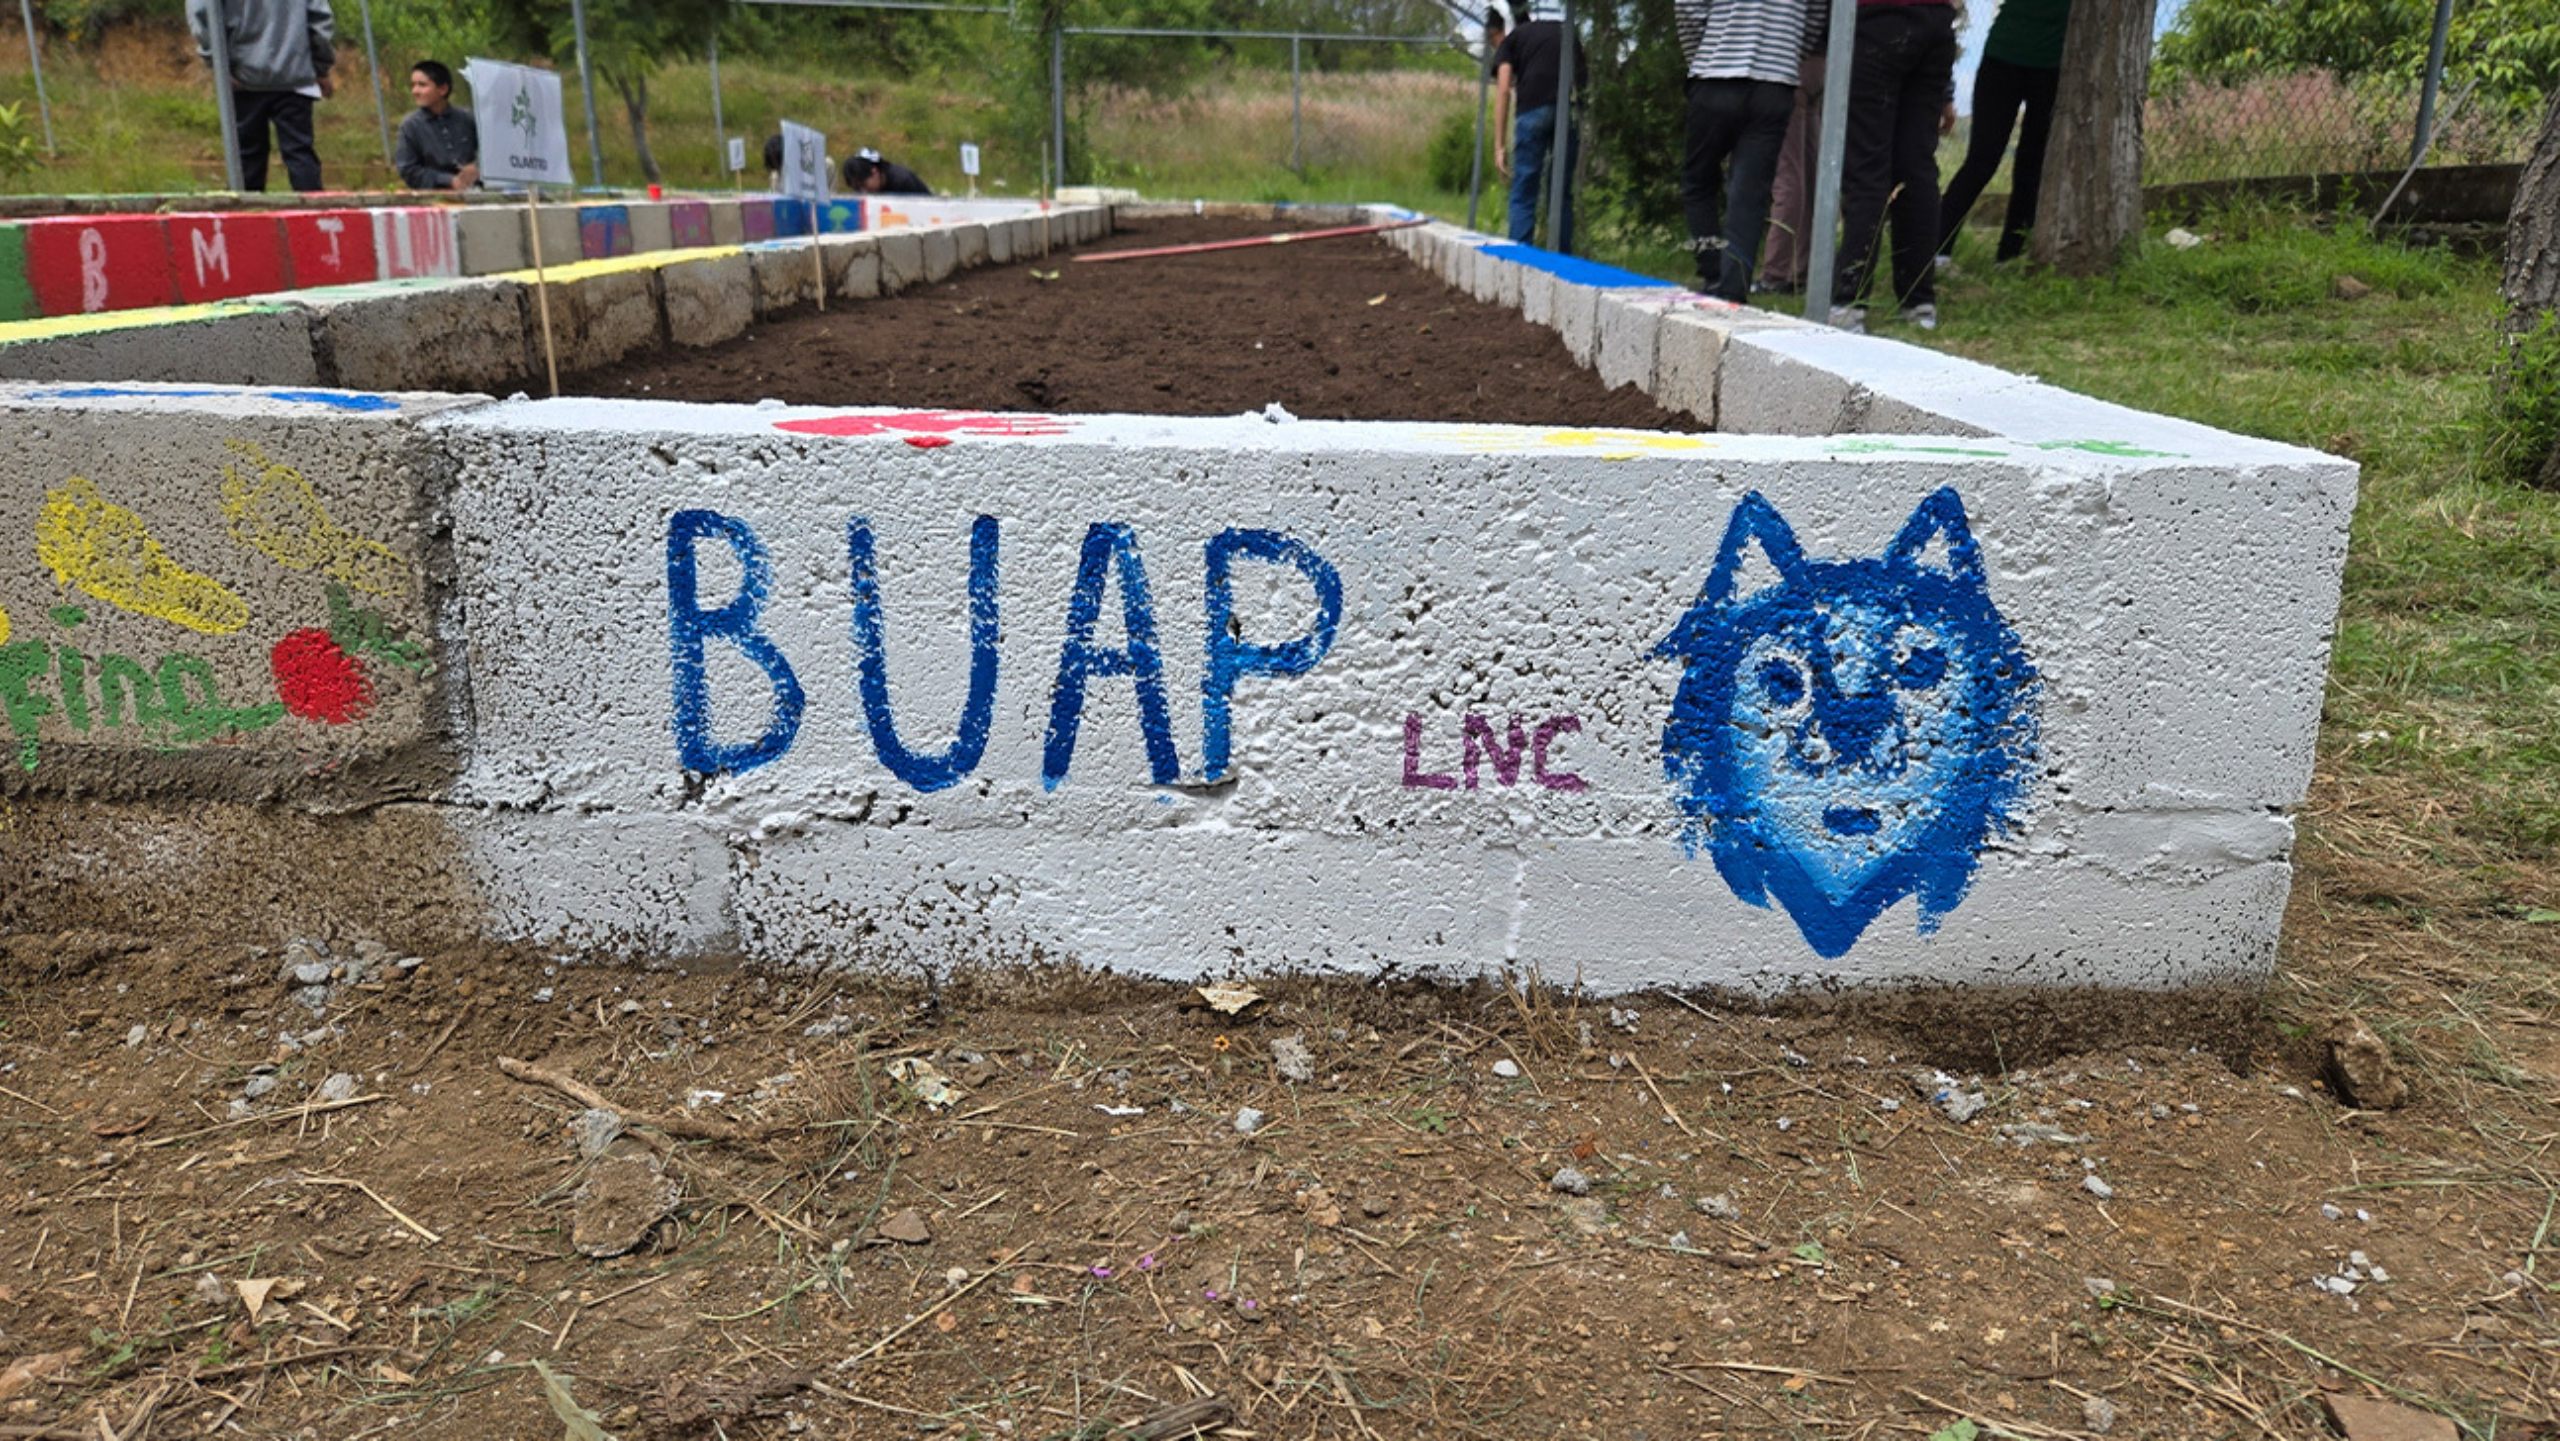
1506	762
1547	731
1414	775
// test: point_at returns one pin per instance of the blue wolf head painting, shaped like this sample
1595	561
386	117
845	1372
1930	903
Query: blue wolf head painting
1850	732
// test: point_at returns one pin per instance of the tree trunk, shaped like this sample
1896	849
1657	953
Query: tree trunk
2533	282
2091	207
635	103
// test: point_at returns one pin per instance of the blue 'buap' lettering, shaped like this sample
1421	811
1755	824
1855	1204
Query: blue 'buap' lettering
1231	657
689	627
1109	545
924	771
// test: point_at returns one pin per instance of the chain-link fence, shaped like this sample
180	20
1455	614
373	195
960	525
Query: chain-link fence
2310	122
1270	116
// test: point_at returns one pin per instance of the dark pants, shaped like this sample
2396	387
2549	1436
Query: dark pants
290	114
1999	88
1745	120
1906	59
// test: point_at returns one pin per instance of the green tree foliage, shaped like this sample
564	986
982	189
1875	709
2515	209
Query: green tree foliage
2511	46
1636	112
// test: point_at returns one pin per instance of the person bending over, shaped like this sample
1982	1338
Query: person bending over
867	173
439	146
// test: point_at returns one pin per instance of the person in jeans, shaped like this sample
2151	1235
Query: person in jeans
1741	90
1901	99
2021	66
280	55
1525	68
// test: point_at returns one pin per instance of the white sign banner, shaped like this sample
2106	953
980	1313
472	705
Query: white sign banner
522	135
737	152
804	162
969	160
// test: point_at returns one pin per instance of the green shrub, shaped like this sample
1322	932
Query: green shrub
1452	156
19	150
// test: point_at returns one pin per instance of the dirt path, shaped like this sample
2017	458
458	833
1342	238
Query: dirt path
1783	1234
1342	329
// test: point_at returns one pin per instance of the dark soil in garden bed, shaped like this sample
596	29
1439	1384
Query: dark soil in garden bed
1343	329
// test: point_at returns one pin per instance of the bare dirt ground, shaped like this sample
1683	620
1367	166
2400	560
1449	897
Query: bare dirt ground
273	1186
1343	329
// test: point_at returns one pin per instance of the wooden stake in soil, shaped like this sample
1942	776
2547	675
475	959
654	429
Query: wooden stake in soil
541	289
817	261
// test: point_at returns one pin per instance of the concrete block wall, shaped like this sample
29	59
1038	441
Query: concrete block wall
1340	702
87	264
471	332
1942	676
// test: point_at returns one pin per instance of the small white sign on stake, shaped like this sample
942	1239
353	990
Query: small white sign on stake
737	153
522	137
969	159
804	177
804	163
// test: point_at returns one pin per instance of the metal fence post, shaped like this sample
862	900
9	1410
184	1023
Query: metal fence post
1475	172
2434	80
1560	149
1836	65
719	125
587	91
35	58
218	40
373	66
1058	100
1296	107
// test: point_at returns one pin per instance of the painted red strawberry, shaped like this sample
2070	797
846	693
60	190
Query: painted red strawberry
318	681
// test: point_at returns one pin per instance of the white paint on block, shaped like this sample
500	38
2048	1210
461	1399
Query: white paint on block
2174	611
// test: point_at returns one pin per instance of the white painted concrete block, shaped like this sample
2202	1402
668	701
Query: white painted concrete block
1000	242
1576	318
1630	329
728	227
970	241
2116	732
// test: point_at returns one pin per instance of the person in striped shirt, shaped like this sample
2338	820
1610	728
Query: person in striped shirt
1744	57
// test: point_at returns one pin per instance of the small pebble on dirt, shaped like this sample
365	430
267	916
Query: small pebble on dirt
1719	1207
907	1228
2098	1414
1507	1069
1571	1182
1248	1120
1290	1057
2098	1188
339	1087
257	1086
2098	1285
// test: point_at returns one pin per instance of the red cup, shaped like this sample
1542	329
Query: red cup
657	192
